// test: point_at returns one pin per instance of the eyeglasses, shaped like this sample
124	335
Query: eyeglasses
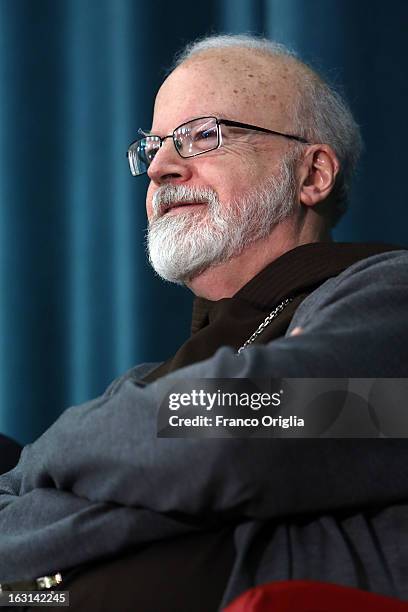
190	139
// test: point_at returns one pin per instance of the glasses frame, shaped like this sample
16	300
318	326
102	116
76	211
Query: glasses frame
219	122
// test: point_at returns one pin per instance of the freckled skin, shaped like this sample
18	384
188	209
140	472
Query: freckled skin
207	85
222	83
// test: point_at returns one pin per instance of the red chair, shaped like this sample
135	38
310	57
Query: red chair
311	596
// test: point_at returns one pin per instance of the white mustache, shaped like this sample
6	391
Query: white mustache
170	195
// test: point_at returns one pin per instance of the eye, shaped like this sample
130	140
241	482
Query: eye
148	148
204	138
204	134
150	153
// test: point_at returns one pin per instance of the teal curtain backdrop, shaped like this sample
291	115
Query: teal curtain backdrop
79	304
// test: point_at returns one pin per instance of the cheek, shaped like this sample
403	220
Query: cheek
235	185
242	170
227	174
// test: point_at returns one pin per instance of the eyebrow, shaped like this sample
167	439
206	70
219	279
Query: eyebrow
192	117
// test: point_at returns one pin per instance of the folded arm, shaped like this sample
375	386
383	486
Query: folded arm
103	460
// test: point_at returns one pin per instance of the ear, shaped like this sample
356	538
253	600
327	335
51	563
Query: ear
318	173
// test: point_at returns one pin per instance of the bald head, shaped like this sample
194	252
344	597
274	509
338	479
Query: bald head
233	181
257	89
243	162
309	107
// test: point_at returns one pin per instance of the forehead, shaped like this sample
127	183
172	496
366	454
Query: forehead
233	83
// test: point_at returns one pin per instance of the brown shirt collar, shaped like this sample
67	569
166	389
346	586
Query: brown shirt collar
295	272
230	321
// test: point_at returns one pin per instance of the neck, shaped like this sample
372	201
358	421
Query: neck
224	280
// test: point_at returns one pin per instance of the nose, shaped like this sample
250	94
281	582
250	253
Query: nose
168	166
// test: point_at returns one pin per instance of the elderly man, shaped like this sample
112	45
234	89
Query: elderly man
249	157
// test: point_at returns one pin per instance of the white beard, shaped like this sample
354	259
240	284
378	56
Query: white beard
182	246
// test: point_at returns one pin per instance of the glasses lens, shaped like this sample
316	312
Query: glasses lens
197	136
141	154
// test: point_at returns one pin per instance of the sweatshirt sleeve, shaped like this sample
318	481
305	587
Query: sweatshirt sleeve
102	467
